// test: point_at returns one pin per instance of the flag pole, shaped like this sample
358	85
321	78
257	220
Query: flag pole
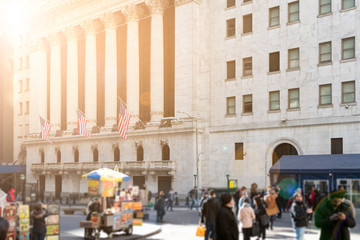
126	107
47	121
122	102
79	111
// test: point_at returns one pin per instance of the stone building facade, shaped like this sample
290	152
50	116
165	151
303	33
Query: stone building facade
221	88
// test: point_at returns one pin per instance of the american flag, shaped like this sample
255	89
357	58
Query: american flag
45	129
124	118
82	124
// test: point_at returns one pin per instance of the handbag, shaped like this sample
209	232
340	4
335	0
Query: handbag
264	220
255	230
200	231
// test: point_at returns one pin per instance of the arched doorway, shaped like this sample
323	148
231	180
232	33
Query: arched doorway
283	149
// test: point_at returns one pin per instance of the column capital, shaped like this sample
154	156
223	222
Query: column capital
156	7
55	39
182	2
72	33
130	13
111	20
91	27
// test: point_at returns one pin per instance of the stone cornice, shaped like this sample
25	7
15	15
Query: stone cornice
182	2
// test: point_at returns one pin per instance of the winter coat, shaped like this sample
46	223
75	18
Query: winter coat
209	211
270	200
226	225
38	217
260	210
246	215
160	205
299	217
334	230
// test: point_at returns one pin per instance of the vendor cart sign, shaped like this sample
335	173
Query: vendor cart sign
107	189
93	187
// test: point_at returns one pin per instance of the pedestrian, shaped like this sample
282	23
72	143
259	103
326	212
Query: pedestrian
160	207
272	208
334	217
261	215
39	226
236	200
245	194
4	227
203	199
299	216
246	216
94	207
10	198
209	212
171	197
311	200
226	225
317	199
194	198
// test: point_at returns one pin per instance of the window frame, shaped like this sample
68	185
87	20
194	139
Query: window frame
270	16
270	101
278	63
298	59
298	12
247	104
248	17
321	54
246	61
289	98
320	95
342	48
228	106
342	4
239	146
342	92
322	5
228	67
228	22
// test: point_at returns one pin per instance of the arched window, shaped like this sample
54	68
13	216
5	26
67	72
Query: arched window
58	156
283	149
165	152
42	156
116	154
95	155
140	153
76	156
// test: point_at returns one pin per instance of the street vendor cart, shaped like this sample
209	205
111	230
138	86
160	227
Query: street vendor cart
111	220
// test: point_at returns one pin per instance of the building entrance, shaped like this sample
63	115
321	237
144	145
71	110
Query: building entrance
283	149
164	184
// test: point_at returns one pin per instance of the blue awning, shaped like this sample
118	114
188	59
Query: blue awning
328	163
12	168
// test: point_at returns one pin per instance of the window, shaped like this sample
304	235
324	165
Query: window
346	4
325	52
348	48
239	151
230	27
27	84
325	95
294	98
247	66
348	92
274	62
58	156
230	3
293	12
324	6
247	103
230	106
274	100
140	154
95	155
117	154
76	156
165	152
231	68
20	86
27	108
336	146
42	157
274	16
247	23
20	108
293	58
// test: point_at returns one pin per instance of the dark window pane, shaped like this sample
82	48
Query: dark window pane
239	151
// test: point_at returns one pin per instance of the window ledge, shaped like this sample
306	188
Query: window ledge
292	23
325	14
231	37
348	104
246	34
247	76
325	64
274	72
247	114
348	60
230	79
293	69
230	115
274	27
348	9
229	8
293	109
274	111
246	3
325	106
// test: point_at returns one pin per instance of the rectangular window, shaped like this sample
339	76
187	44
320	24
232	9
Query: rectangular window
325	52
274	100
294	98
239	151
230	106
245	1
293	9
274	62
274	16
231	69
346	4
336	146
293	58
247	66
27	62
230	27
230	3
325	95
247	103
20	86
27	84
348	48
20	108
27	108
348	92
247	23
324	6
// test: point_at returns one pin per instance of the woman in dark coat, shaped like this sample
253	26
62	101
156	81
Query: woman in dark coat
226	225
261	215
39	227
160	207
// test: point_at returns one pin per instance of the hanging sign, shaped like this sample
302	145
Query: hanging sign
93	187
107	189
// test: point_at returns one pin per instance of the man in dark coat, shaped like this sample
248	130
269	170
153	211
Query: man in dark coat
299	216
4	227
39	227
226	225
334	217
208	215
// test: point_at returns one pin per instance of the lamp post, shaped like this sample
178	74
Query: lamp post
195	119
227	177
22	178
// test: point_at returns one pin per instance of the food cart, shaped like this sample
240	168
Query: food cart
115	219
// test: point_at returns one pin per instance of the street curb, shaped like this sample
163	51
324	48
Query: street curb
143	236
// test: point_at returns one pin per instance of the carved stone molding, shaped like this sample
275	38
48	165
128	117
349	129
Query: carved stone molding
156	7
75	147
115	145
138	143
92	26
111	20
163	142
57	148
182	2
130	13
94	146
73	33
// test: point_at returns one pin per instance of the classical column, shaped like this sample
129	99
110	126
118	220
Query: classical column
55	81
91	27
132	66
72	88
157	59
110	22
37	84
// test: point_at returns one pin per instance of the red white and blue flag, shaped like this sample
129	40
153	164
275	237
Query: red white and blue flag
45	129
124	119
82	124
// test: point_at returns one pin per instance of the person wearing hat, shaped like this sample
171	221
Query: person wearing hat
226	225
39	227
